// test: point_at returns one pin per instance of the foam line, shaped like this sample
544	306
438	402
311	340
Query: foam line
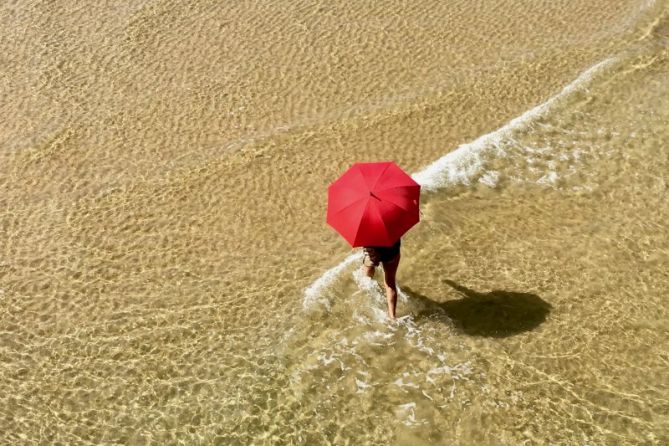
460	166
315	290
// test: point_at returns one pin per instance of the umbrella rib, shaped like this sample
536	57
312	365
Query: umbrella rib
351	204
380	176
391	201
383	222
359	226
396	205
402	186
378	213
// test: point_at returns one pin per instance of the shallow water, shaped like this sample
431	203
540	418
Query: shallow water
167	275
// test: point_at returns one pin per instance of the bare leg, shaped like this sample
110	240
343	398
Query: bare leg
368	270
389	272
369	261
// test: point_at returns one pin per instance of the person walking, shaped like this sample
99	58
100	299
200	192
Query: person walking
372	205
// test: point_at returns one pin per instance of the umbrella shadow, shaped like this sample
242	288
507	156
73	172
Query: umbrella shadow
496	314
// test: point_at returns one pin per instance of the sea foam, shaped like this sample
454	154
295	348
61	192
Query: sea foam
313	293
462	164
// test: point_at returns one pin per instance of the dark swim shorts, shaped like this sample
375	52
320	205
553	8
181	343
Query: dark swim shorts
380	254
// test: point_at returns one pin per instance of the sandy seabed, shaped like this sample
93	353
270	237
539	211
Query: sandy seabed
163	168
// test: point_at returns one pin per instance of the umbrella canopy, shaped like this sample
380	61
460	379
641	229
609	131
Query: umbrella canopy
373	204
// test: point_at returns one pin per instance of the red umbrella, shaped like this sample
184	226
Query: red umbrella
373	204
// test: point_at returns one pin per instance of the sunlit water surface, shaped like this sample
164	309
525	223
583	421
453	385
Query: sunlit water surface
167	277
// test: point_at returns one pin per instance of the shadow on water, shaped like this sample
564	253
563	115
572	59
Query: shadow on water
495	314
